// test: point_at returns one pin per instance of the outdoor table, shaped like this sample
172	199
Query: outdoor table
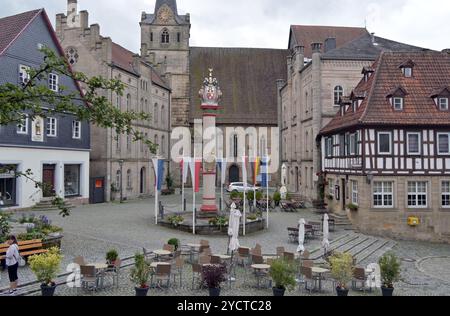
193	247
223	257
258	268
320	272
161	252
153	265
100	269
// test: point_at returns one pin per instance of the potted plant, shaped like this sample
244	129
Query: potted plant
283	275
45	266
342	271
222	221
390	273
352	207
252	218
111	257
140	274
174	242
213	277
277	198
175	220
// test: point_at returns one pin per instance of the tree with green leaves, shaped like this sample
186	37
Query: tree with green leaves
35	99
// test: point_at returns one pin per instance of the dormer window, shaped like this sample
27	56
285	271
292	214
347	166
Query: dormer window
367	72
355	105
397	103
407	68
407	72
443	104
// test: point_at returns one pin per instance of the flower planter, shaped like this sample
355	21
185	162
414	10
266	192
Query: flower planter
141	291
341	291
387	291
214	292
278	292
48	290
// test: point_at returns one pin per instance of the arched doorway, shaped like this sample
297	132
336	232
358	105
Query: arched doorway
233	174
142	182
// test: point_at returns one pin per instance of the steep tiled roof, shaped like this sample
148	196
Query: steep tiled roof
123	58
247	78
431	73
305	35
366	47
156	79
12	26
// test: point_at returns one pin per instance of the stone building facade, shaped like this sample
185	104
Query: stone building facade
310	97
123	165
385	155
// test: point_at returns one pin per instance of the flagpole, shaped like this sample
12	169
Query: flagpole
245	194
193	198
182	183
156	191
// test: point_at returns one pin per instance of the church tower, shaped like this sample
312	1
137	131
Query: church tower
165	44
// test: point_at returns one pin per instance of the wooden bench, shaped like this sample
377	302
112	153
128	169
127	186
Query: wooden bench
26	248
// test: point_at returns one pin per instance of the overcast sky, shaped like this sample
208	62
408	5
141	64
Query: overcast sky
263	23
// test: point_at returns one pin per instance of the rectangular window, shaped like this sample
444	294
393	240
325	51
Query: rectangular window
24	76
179	37
443	146
398	104
384	143
51	127
331	187
417	194
341	145
22	126
129	142
76	129
383	194
53	82
407	72
353	144
151	37
355	193
443	104
71	180
329	147
445	194
413	143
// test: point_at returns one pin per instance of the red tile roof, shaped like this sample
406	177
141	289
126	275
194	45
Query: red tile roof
305	35
12	26
431	73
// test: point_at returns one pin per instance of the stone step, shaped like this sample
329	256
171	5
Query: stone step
373	257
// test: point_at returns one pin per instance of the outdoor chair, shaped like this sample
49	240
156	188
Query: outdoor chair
114	272
289	256
204	248
308	263
80	261
359	275
243	256
305	255
162	275
308	278
204	242
204	260
230	275
256	251
177	270
293	234
216	260
280	252
257	259
170	248
88	277
197	275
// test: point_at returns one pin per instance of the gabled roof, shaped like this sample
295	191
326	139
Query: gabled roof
172	4
431	72
305	35
247	78
12	26
368	47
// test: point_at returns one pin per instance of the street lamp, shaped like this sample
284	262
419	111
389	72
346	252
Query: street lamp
121	161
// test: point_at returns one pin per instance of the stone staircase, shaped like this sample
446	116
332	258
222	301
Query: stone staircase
365	249
341	221
46	205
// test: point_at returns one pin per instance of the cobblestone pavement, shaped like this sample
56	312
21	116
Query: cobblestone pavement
94	229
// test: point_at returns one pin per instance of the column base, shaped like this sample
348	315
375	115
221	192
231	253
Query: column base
209	209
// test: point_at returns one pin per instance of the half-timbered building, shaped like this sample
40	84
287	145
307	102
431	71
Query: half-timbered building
386	154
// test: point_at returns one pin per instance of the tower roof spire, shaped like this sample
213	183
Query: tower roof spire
172	4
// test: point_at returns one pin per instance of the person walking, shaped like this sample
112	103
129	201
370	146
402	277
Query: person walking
12	262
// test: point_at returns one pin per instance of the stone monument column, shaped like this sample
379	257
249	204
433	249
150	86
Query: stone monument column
210	96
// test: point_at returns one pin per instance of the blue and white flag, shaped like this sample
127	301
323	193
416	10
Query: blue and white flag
158	166
265	172
222	164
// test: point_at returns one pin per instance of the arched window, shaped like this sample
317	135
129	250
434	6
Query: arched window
235	145
142	105
163	121
128	102
118	179
156	142
163	145
165	37
118	102
129	186
146	106
338	93
155	114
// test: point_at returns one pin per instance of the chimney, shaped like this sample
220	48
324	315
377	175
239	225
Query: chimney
316	47
330	44
372	36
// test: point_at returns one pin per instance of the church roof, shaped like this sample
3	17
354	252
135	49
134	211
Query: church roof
172	4
305	35
431	72
368	47
247	78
